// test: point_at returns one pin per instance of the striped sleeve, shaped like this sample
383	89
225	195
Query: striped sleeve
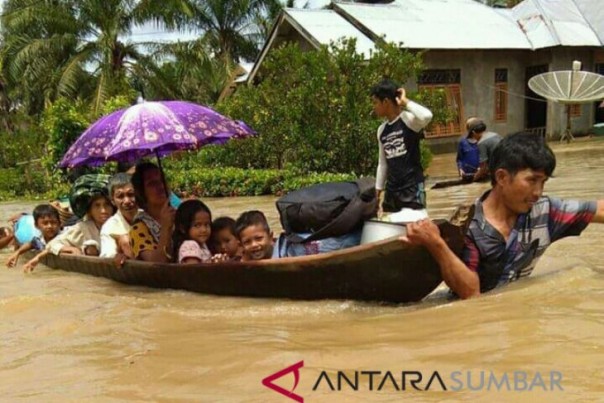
470	255
569	217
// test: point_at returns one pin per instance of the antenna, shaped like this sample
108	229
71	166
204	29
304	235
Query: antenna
569	87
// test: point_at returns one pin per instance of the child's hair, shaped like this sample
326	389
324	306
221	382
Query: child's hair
249	218
185	214
385	89
218	225
45	210
520	151
117	181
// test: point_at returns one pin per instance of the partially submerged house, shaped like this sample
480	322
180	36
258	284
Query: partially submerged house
483	57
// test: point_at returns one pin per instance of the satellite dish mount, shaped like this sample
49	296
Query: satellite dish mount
569	87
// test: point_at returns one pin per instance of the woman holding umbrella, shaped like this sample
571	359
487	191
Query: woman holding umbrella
151	230
151	128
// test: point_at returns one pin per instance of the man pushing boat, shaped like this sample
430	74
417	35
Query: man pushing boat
513	223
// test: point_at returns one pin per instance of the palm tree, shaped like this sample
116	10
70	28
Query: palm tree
84	41
230	27
37	37
186	70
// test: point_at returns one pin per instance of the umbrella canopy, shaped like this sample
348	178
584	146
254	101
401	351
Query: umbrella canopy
157	128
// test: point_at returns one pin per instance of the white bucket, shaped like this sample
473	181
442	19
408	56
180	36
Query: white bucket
393	225
374	230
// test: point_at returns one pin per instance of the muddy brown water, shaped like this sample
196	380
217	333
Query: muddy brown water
72	337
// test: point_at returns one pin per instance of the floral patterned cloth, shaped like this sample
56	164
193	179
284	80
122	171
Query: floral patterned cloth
191	249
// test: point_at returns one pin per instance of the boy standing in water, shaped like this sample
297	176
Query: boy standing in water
399	166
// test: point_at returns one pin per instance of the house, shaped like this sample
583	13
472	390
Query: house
483	57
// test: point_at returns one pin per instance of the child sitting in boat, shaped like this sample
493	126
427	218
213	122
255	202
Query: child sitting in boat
89	200
47	221
224	239
255	236
192	229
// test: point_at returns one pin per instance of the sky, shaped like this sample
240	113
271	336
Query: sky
151	33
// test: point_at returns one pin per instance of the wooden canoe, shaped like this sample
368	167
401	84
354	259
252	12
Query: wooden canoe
387	271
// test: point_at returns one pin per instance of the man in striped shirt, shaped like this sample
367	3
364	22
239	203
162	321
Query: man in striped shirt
513	223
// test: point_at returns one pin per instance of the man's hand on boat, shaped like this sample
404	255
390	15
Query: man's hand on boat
119	260
461	280
423	232
124	247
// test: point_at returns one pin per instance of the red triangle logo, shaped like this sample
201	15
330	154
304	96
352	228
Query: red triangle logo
268	381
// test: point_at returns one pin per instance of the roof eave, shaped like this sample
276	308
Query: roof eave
283	17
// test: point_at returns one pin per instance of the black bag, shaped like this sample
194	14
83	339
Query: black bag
327	209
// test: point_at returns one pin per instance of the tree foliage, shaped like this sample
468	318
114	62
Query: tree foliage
313	112
78	48
235	29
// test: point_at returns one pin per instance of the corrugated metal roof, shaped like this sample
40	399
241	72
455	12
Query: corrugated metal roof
554	22
451	24
439	24
593	11
326	26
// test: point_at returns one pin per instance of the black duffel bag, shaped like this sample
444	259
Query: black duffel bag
327	209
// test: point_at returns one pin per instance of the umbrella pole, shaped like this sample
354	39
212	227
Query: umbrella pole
163	175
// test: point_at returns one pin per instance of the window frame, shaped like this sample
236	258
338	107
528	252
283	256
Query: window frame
501	96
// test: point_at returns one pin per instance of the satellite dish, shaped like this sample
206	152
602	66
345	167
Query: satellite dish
569	87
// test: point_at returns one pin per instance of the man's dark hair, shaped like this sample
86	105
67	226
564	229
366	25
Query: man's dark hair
478	127
117	181
385	89
249	218
45	210
520	151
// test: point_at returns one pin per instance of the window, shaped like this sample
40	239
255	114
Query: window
501	95
575	110
449	82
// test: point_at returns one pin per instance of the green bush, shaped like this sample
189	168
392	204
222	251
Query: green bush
21	146
64	121
225	182
313	112
29	182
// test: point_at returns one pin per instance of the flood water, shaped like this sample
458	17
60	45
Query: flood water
67	336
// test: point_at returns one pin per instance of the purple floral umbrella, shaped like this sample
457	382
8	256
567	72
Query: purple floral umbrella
151	128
